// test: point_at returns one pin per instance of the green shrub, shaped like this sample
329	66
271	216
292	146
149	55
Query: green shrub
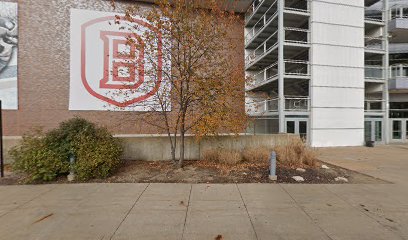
63	139
97	155
46	156
37	160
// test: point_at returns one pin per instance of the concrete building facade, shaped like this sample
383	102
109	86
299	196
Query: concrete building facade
333	71
398	84
320	69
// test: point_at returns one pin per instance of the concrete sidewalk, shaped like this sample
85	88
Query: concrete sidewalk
184	211
244	211
387	162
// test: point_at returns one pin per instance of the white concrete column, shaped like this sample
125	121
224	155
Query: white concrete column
265	75
386	63
400	71
281	65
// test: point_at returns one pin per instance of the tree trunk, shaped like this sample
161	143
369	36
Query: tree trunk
181	160
173	154
173	148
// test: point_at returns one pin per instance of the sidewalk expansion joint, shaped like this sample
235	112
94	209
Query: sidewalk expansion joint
27	202
127	214
307	214
246	209
188	207
364	212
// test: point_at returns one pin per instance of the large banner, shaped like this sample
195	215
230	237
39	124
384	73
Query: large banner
8	55
109	66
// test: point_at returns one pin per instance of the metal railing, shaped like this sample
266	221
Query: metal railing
269	15
296	67
263	48
374	15
291	67
301	35
374	43
292	104
374	105
297	104
300	6
399	12
252	9
263	106
400	70
374	72
265	75
272	42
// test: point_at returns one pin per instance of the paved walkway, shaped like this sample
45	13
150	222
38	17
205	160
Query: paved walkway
388	162
201	211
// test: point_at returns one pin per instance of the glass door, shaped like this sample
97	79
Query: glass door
396	129
373	130
377	128
297	126
303	129
290	127
367	131
406	129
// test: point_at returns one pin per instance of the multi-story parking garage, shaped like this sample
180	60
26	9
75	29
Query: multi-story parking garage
324	69
398	84
319	69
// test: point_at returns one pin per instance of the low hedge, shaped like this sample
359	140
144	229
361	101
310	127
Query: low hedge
45	156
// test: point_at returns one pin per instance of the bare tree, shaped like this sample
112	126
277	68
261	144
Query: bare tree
193	76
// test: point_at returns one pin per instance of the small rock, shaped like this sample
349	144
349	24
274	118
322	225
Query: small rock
71	177
325	167
300	170
245	173
191	168
298	178
341	179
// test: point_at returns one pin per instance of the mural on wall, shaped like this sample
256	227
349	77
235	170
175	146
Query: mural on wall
8	55
109	72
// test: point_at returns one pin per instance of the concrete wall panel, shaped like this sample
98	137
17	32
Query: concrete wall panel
156	147
337	85
398	97
338	118
338	35
338	97
337	14
338	137
338	55
338	76
356	3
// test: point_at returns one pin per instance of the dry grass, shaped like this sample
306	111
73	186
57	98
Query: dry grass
224	156
226	160
211	155
294	154
230	157
258	154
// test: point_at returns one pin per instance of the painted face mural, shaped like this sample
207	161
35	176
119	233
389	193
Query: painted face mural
8	54
8	40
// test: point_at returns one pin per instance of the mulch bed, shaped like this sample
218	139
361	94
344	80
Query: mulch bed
210	172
